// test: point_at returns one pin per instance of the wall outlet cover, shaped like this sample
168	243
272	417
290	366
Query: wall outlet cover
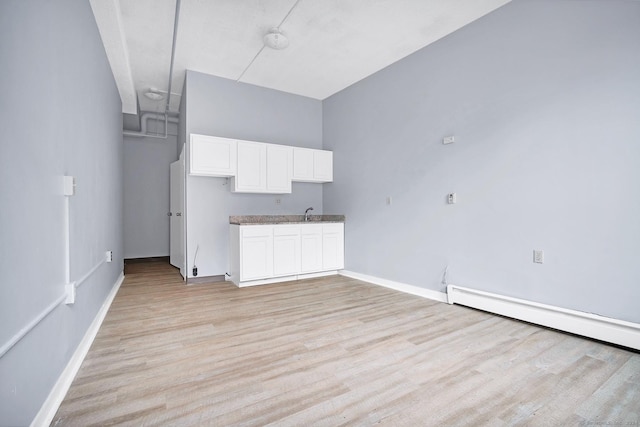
538	256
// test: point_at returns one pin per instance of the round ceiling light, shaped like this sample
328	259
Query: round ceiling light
275	39
154	94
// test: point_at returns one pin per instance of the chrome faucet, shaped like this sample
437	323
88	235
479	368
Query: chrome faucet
306	214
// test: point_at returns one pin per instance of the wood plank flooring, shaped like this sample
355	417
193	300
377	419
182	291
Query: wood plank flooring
335	351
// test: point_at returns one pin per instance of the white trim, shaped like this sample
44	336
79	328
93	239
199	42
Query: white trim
27	328
52	403
285	278
398	286
93	270
586	324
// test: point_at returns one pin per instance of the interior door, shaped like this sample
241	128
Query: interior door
176	200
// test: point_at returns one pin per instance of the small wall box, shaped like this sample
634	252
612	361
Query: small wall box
69	185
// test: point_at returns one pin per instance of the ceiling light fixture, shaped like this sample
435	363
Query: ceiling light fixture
275	39
154	94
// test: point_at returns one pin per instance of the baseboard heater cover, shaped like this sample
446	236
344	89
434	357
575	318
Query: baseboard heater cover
577	322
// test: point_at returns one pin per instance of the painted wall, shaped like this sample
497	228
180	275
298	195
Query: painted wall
222	107
61	115
543	98
146	193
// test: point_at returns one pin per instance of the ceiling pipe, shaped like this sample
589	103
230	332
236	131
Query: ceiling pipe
173	53
146	116
144	120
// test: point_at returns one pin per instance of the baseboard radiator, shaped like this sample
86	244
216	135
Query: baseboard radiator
586	324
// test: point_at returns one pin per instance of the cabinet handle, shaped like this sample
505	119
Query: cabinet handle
179	214
169	214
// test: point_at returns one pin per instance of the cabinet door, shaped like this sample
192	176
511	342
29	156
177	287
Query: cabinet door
256	252
251	175
332	246
302	164
323	165
212	156
286	250
311	248
279	168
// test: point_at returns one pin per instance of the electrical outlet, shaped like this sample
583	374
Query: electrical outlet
538	256
451	198
278	201
448	139
389	200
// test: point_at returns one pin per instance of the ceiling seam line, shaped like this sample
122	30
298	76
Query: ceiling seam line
288	13
250	63
262	48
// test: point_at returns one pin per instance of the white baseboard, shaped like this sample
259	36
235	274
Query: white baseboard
577	322
285	279
398	286
59	391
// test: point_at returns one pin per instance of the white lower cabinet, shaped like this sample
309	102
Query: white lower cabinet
269	253
311	248
256	252
332	246
286	250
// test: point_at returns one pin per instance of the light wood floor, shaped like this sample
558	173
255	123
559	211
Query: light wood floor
335	351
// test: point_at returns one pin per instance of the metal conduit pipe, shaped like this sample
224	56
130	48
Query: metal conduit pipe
146	116
144	120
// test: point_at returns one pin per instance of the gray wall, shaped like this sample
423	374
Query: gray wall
543	98
61	115
146	193
222	107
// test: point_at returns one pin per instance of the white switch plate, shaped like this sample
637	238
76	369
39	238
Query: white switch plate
69	185
70	289
538	256
451	198
449	139
109	256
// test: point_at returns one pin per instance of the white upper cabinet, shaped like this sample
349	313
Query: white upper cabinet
212	156
263	168
302	164
257	167
311	165
323	165
279	165
252	168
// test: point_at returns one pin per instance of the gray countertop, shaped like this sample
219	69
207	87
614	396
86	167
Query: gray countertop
282	219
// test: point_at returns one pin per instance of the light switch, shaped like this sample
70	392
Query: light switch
69	185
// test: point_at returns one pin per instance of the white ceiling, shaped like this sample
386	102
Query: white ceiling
333	43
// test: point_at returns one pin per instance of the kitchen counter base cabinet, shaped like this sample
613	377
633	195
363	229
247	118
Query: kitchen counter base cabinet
262	254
